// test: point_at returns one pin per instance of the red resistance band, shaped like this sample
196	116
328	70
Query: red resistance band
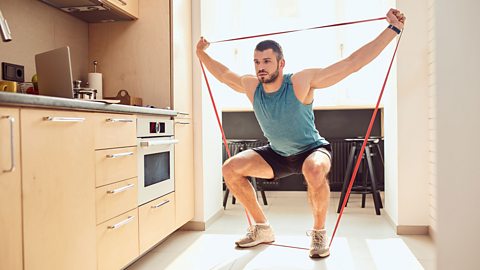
367	135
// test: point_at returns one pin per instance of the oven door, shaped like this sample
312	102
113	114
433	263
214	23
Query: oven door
155	168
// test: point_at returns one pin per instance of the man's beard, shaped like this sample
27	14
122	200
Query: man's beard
272	78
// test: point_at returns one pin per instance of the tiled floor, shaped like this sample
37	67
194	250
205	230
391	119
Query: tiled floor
363	241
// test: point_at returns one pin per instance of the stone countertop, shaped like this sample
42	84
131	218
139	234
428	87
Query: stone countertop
26	100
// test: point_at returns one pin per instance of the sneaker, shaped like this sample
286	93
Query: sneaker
319	247
256	234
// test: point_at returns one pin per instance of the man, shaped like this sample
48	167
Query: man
283	107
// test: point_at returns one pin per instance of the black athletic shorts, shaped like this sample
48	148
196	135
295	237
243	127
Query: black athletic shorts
285	166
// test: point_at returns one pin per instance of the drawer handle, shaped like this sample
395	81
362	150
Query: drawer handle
182	123
119	120
12	144
120	155
121	223
123	2
63	119
182	113
160	204
122	189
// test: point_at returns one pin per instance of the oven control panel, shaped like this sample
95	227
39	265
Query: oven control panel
154	126
157	127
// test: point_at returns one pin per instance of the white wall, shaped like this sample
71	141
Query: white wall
432	119
207	146
457	81
412	117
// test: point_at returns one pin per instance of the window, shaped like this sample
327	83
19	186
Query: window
305	49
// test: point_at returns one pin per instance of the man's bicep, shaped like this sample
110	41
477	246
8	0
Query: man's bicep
235	81
331	75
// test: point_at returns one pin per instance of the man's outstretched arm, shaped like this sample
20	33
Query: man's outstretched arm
221	72
321	78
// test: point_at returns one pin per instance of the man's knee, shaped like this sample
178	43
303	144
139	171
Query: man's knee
316	173
231	167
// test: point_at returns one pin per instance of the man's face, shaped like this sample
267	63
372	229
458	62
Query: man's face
267	67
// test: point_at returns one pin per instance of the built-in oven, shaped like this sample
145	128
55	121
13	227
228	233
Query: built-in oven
155	145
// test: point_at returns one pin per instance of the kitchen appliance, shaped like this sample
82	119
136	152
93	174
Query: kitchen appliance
54	71
155	148
92	11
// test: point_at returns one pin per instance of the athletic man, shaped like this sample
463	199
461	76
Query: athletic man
283	106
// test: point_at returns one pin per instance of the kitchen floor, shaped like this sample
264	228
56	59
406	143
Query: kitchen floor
363	241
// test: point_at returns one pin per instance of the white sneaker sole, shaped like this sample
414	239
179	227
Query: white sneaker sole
252	244
322	255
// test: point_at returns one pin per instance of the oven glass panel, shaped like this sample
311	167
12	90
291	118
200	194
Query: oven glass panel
157	168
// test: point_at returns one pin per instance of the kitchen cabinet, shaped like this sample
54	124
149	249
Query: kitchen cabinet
135	56
58	189
113	165
129	7
117	241
184	184
183	104
114	130
182	56
156	221
116	189
115	199
10	190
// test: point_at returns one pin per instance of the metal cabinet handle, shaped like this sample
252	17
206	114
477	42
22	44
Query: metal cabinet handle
123	2
182	123
63	119
182	113
120	155
121	223
12	144
122	189
160	204
150	143
119	120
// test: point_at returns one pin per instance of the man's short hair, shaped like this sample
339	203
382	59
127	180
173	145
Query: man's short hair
270	44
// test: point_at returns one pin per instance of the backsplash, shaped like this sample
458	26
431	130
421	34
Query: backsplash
37	28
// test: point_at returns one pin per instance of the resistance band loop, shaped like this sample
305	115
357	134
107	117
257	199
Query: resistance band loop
298	30
359	159
372	120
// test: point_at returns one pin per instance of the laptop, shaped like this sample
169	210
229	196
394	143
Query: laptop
54	73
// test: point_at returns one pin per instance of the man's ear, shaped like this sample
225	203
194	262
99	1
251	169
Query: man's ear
282	63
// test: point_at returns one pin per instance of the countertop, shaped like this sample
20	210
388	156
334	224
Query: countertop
27	100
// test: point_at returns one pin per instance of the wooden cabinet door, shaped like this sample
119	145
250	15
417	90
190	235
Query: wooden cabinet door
129	7
184	184
58	188
10	191
156	221
182	56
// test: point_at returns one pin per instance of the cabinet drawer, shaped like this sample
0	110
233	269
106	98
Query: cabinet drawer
156	221
129	7
114	199
117	241
114	165
114	130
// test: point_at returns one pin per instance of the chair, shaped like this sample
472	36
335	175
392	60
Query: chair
369	183
235	147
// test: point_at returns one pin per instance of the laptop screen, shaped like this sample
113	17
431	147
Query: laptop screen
54	72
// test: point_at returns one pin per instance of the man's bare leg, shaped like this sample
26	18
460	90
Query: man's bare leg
235	172
315	169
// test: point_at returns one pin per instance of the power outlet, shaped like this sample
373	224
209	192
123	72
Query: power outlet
12	72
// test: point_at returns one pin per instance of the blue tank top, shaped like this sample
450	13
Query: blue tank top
288	124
